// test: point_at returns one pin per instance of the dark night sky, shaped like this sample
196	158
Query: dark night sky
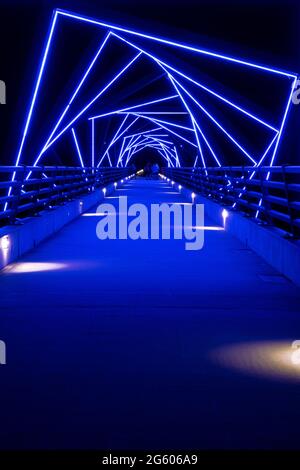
264	30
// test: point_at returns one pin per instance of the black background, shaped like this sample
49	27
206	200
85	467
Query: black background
265	31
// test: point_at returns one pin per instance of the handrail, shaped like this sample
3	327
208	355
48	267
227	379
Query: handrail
27	190
270	195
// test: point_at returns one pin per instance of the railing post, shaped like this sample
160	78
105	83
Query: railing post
37	175
60	186
265	204
16	193
203	174
231	185
287	195
56	188
245	188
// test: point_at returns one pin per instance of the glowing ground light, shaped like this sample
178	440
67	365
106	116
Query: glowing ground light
5	242
209	228
104	191
296	352
225	215
96	214
276	360
180	187
115	185
193	195
30	267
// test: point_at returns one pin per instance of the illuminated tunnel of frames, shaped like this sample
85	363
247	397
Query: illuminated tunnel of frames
102	100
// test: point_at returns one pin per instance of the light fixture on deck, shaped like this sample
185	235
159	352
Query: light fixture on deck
104	191
269	359
193	196
5	242
225	215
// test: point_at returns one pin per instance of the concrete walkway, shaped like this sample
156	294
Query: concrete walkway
127	344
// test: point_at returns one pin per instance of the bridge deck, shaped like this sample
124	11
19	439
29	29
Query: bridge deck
131	343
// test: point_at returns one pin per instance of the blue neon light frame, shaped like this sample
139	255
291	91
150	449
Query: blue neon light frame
173	74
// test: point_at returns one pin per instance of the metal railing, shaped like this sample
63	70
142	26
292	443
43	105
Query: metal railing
34	189
270	195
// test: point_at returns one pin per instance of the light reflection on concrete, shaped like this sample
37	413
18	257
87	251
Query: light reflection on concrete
269	359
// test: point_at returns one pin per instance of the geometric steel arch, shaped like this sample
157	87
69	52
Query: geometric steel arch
194	114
